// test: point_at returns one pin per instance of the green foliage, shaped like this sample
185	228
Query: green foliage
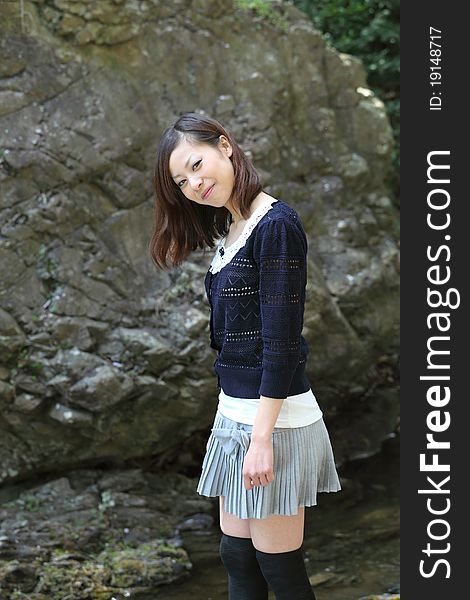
29	502
370	30
26	364
263	9
107	501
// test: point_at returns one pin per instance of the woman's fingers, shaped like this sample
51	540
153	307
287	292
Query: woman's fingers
247	482
258	466
251	481
267	478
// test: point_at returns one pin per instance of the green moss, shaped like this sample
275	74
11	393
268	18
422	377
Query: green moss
107	501
26	364
29	502
17	594
117	566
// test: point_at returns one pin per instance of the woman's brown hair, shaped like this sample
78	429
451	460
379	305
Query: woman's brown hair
182	226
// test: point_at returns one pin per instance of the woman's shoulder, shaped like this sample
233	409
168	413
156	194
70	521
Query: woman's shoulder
280	230
280	211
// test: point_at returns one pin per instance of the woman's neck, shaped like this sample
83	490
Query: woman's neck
260	199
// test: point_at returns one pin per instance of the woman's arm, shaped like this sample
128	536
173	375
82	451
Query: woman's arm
259	459
265	419
279	251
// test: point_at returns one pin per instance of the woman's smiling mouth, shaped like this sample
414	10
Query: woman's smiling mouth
207	192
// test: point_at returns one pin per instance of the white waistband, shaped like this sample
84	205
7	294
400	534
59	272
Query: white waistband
297	411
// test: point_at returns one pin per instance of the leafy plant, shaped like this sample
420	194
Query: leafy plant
370	30
263	9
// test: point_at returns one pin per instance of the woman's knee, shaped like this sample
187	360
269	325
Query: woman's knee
231	524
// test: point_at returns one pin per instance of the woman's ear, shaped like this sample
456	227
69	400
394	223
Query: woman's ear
225	146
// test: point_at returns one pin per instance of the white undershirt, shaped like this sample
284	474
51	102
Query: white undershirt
296	411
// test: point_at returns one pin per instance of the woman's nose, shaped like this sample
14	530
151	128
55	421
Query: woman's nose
196	183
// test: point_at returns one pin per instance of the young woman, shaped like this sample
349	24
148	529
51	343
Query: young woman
269	452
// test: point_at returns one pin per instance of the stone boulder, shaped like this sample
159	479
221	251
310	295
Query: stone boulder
104	357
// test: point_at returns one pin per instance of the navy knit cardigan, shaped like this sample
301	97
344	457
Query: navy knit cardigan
257	306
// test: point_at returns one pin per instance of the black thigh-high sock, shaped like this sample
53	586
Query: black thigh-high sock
245	580
286	574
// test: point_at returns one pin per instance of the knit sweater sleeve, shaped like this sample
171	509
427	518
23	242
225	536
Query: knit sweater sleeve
280	251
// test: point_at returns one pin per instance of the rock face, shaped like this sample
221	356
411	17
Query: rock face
96	534
101	355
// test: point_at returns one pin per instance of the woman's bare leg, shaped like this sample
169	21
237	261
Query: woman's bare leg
232	525
278	533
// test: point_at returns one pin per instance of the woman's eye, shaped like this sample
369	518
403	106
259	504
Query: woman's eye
195	165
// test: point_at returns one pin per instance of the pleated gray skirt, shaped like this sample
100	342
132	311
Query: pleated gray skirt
303	466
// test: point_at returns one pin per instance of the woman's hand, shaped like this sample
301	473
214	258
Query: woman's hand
258	464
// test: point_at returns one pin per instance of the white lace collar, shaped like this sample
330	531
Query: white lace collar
223	258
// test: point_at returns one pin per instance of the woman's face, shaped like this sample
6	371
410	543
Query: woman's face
204	174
